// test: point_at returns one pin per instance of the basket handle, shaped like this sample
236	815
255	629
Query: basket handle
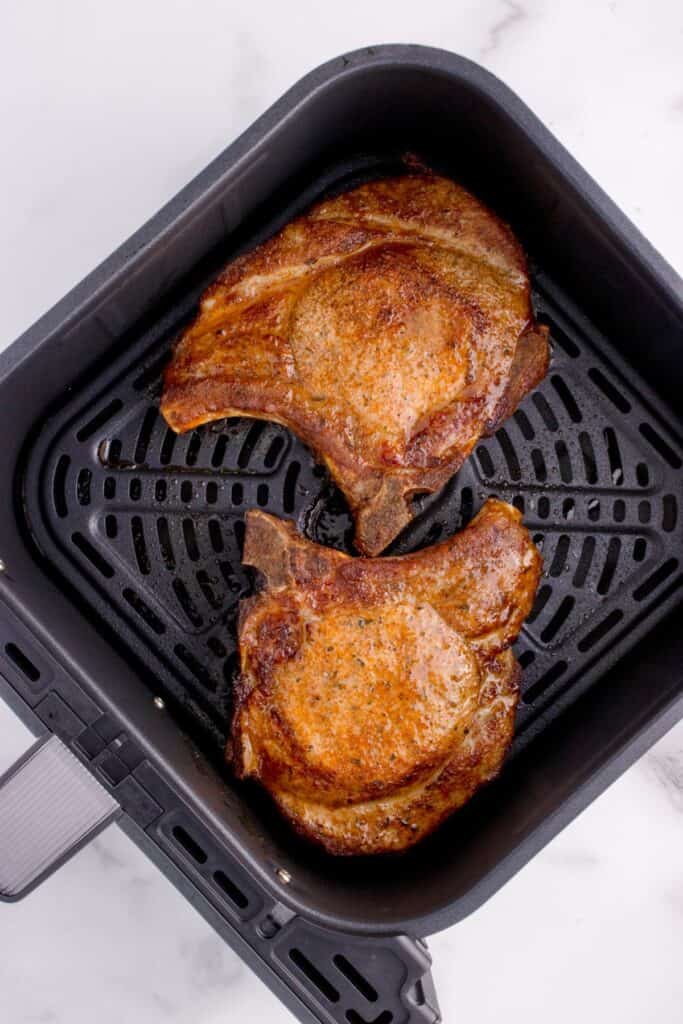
50	807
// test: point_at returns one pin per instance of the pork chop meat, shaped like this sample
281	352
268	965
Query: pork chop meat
377	694
390	328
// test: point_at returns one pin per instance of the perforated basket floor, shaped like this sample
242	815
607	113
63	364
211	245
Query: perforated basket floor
147	527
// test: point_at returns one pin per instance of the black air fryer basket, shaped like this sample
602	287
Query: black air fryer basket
120	570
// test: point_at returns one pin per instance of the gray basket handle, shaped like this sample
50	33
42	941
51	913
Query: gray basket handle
50	807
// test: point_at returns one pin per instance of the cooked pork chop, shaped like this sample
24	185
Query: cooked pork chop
377	694
390	328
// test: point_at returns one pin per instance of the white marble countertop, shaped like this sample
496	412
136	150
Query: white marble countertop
107	109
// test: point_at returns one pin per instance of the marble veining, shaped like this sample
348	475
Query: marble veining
515	15
107	111
668	769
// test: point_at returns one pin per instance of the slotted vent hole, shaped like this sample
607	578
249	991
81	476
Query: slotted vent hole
639	549
109	489
542	598
145	435
59	486
135	489
231	890
564	461
525	659
644	512
568	506
610	566
111	527
165	543
619	511
669	513
434	533
538	462
190	845
160	490
585	561
83	487
509	454
466	504
660	445
543	507
237	494
211	492
22	662
609	390
140	547
192	453
219	451
99	419
590	466
190	538
353	975
538	688
565	342
251	440
144	611
217	647
186	603
518	502
558	620
559	562
215	536
524	424
642	474
311	972
614	455
186	492
545	410
655	579
273	453
262	495
594	510
113	453
567	398
289	489
167	447
485	461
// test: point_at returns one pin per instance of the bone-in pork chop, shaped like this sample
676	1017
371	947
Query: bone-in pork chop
377	694
390	328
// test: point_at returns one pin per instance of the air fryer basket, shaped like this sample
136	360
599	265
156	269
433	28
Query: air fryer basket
142	529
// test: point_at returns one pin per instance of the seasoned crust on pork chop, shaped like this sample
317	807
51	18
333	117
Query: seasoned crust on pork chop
376	695
390	328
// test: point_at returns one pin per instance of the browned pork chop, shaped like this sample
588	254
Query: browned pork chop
390	328
377	694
